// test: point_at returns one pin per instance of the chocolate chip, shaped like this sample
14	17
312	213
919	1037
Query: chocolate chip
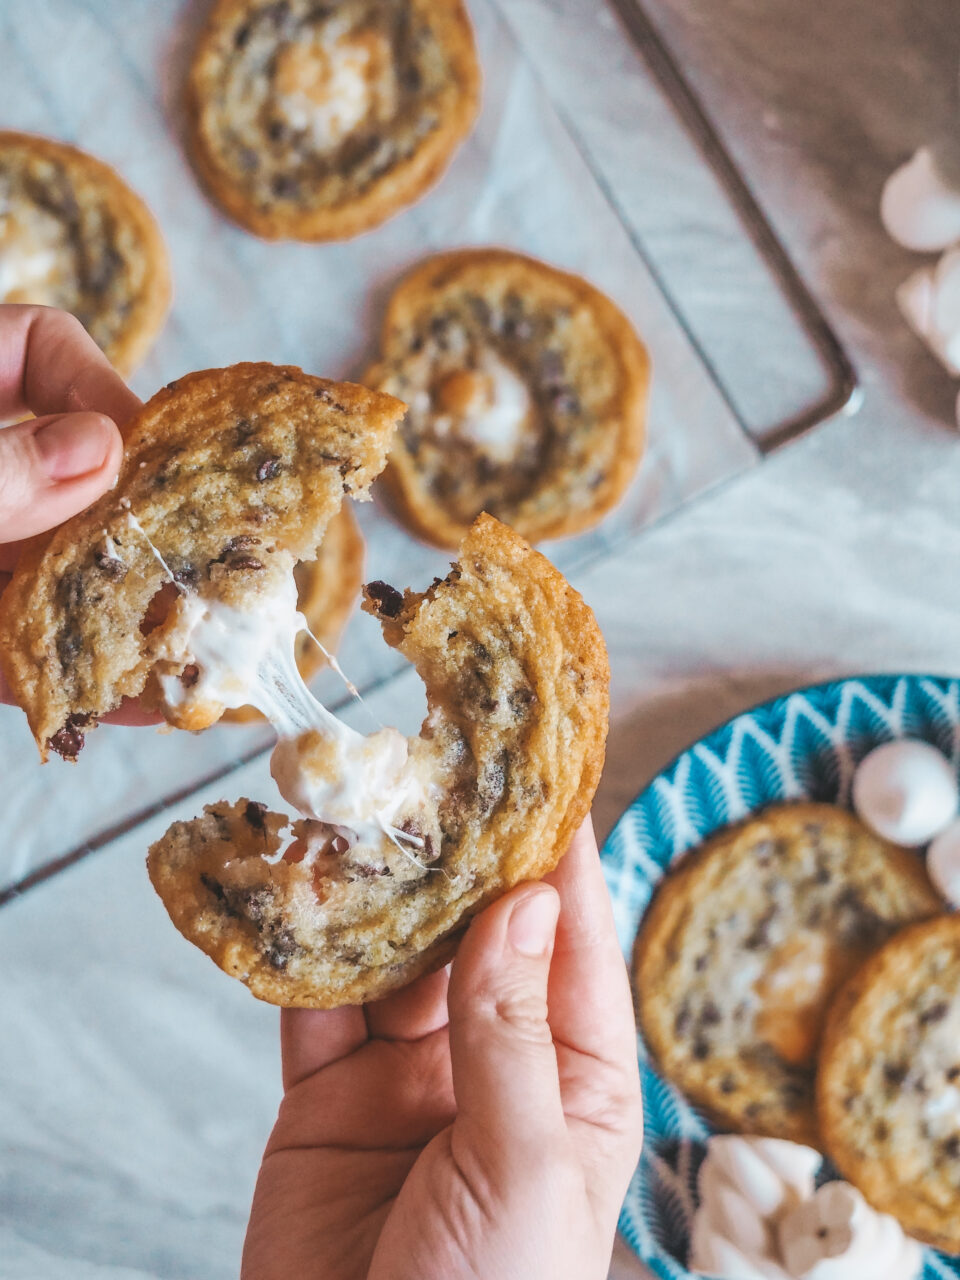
700	963
710	1014
760	935
551	367
701	1049
564	401
187	576
365	871
258	515
681	1023
269	469
452	635
936	1013
242	35
189	675
951	1146
481	310
953	1074
752	1110
281	948
412	79
823	875
69	645
110	566
763	852
284	186
250	563
254	814
68	741
520	701
728	1085
387	600
214	886
492	784
241	542
895	1073
276	130
881	1131
70	590
243	432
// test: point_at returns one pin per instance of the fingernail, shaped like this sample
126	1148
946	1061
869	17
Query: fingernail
533	923
73	445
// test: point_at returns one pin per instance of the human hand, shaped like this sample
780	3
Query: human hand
496	1143
55	464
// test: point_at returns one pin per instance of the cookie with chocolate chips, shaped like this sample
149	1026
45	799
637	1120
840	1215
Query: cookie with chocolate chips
744	945
319	121
888	1084
230	478
527	390
503	772
73	235
327	589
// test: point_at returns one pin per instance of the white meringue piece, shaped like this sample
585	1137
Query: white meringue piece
731	1215
835	1235
905	791
713	1255
744	1163
943	864
918	208
930	303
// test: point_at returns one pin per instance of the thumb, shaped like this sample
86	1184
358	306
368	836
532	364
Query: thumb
504	1062
51	468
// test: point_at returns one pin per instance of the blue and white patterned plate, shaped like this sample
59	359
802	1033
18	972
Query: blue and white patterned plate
803	746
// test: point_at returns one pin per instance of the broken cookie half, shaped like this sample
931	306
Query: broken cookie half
230	478
401	840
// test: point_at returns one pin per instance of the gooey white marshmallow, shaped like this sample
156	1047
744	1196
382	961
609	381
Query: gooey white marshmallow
247	657
497	422
919	209
905	791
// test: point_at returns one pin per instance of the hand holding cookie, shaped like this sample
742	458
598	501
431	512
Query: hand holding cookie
486	1131
55	464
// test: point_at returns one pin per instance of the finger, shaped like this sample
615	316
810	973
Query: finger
130	712
504	1063
51	468
50	364
591	1018
313	1038
414	1012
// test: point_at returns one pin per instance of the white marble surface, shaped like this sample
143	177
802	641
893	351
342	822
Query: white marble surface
139	1083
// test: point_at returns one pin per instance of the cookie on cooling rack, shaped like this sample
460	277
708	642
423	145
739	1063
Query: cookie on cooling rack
888	1085
319	121
230	478
327	589
527	390
746	942
504	771
73	235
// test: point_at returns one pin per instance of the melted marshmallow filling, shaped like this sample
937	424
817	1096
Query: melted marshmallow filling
328	772
32	250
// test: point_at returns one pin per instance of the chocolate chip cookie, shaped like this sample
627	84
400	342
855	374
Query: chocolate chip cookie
510	753
527	390
73	235
888	1085
746	942
230	478
318	121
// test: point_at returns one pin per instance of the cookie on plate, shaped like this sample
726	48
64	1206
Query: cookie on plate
327	589
73	235
746	942
489	794
230	478
527	390
888	1085
319	121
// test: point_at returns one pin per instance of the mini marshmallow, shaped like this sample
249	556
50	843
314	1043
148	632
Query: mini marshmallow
943	864
906	792
918	207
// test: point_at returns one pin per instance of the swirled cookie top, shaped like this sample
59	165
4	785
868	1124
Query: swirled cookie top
73	236
527	392
304	109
